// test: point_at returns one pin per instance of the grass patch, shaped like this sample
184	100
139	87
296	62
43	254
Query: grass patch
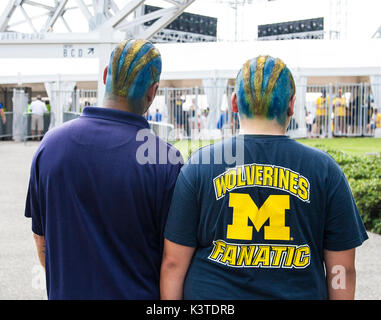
351	146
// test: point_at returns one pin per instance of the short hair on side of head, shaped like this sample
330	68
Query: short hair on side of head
135	65
264	87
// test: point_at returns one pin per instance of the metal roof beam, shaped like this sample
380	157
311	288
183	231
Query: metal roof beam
164	21
59	10
145	18
377	34
40	5
27	19
84	10
7	14
122	14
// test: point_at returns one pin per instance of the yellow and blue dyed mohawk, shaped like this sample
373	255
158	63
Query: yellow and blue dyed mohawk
264	87
134	66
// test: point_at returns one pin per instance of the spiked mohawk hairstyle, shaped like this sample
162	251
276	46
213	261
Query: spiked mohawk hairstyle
134	66
264	87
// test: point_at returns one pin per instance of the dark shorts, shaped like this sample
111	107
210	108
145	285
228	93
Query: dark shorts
322	120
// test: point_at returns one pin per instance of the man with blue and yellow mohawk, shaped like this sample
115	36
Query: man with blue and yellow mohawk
132	76
274	223
265	90
98	209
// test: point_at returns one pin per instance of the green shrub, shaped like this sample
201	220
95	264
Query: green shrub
364	177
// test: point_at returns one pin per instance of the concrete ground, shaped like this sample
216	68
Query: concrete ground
21	277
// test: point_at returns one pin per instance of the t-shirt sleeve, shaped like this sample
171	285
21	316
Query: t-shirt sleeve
344	228
32	206
183	215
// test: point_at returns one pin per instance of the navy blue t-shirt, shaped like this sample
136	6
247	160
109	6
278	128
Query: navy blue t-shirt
102	206
260	218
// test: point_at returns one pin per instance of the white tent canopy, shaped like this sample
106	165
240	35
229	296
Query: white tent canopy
220	61
304	57
216	60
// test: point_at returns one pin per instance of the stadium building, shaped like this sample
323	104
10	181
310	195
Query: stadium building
58	49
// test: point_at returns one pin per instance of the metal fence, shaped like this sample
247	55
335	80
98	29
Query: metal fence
188	111
82	99
338	110
6	128
31	133
331	110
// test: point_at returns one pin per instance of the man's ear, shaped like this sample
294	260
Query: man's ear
234	102
105	74
291	106
151	93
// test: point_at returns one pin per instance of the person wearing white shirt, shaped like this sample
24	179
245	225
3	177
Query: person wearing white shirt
309	123
37	108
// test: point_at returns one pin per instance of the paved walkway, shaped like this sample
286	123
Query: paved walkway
21	277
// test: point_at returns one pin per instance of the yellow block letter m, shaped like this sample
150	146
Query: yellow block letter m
244	209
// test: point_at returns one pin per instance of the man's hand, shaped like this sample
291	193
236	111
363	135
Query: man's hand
340	274
176	260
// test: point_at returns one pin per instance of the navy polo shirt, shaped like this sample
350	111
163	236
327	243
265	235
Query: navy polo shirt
101	207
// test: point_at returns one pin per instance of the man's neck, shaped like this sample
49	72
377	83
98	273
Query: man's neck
117	103
262	126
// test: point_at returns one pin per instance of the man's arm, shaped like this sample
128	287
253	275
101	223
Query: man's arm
340	274
176	260
40	244
2	114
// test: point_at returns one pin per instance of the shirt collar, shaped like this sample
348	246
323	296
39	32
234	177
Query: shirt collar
115	115
263	137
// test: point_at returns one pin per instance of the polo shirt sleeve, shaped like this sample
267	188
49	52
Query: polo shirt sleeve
183	216
32	206
167	196
344	228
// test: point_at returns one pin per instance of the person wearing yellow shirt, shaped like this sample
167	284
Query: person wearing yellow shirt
322	106
339	108
374	121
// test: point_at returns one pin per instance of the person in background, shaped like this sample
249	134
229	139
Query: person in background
340	111
222	120
48	107
179	116
322	114
98	206
277	221
235	119
158	116
148	116
2	114
37	109
309	123
373	122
